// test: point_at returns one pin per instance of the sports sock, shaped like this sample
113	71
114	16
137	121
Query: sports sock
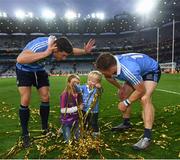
44	113
24	118
147	133
126	121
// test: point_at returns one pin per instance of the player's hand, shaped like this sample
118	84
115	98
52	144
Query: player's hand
122	107
51	47
89	46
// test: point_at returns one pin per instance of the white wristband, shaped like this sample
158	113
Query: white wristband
126	102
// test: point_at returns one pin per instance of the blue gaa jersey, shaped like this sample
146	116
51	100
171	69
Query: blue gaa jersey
132	66
88	96
37	45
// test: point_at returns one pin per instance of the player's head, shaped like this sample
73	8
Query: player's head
64	48
106	64
71	81
94	77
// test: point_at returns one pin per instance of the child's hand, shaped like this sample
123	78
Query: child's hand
98	85
77	88
81	106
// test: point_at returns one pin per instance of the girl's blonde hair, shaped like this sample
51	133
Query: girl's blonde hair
68	88
96	74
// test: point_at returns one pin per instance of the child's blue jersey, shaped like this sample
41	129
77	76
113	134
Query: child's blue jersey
132	66
88	96
37	45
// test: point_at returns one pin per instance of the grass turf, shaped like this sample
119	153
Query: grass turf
166	130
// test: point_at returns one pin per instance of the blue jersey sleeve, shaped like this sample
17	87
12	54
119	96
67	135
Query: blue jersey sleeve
132	73
78	88
37	45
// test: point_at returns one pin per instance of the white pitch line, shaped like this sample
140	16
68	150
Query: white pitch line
172	92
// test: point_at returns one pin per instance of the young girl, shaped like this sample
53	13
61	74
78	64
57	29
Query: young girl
69	102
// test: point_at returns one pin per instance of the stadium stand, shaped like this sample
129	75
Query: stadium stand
123	33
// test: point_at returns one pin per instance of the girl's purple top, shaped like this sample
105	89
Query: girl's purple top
68	101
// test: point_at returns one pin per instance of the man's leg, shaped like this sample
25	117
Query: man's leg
148	115
24	113
44	107
123	94
148	108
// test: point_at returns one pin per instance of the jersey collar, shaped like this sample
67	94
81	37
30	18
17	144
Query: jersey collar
118	66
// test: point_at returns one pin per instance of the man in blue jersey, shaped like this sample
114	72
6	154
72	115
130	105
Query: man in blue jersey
141	75
30	72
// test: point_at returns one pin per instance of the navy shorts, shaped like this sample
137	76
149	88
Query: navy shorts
27	79
153	76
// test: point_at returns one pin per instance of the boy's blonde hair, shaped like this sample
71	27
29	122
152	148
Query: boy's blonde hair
96	74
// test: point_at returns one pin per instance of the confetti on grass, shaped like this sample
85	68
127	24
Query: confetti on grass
107	143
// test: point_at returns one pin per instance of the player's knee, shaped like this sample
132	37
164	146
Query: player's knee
145	99
45	98
25	101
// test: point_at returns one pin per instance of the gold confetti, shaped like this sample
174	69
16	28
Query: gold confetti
87	143
178	139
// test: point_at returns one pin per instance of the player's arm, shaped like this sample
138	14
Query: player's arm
138	92
113	82
135	79
87	48
28	56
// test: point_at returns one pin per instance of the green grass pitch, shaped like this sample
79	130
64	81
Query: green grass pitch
166	130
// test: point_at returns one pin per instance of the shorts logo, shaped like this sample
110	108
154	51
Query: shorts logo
150	76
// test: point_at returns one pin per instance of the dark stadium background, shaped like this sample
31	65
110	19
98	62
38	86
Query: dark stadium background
124	32
119	29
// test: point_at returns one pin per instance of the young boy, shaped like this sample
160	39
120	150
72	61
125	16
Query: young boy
88	93
141	75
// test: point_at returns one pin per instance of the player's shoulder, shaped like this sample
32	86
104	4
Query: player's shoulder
129	64
132	54
39	40
38	44
128	56
132	57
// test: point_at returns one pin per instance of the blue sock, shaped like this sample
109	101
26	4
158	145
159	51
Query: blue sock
24	118
147	133
126	121
44	113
